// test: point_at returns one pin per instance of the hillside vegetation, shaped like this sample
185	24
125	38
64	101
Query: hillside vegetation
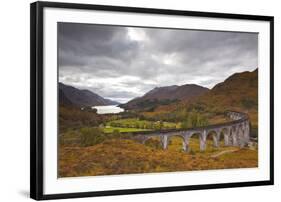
238	92
127	157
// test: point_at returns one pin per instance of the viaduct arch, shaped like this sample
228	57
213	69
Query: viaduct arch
234	133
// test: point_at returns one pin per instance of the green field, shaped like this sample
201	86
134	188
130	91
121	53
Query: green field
109	129
137	125
142	124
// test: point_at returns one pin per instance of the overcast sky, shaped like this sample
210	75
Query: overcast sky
121	63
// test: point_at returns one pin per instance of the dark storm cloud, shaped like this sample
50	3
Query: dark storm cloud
88	40
122	63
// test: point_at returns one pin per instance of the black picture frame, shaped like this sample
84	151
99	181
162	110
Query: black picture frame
36	98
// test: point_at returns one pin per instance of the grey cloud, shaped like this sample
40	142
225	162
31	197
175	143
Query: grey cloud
114	64
80	43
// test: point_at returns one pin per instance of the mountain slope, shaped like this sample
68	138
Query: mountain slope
69	95
164	96
237	92
63	100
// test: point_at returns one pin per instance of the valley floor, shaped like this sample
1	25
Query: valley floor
119	156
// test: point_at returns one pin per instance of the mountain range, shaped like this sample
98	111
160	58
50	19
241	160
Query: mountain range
164	96
69	95
239	91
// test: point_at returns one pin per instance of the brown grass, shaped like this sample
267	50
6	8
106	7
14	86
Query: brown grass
127	157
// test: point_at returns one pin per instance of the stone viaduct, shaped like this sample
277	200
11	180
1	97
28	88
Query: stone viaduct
234	133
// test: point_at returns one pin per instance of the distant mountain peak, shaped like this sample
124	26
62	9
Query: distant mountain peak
162	88
81	98
165	95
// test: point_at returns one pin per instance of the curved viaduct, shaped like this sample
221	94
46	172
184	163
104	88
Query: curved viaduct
235	133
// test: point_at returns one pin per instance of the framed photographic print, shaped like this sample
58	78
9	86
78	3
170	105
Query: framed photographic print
131	100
